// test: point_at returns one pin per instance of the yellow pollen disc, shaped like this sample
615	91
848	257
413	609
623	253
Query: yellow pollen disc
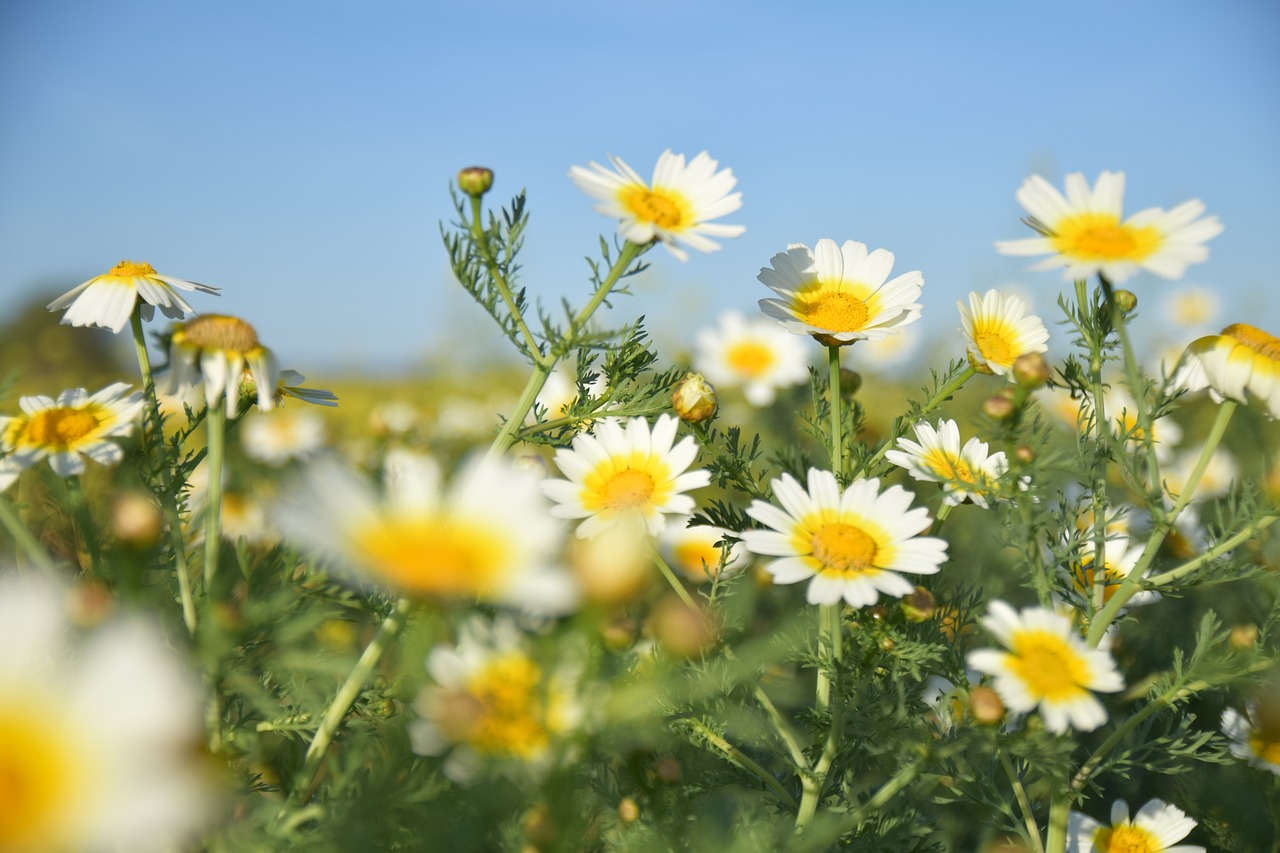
132	269
996	346
844	548
833	310
949	467
626	489
664	208
510	711
750	358
1255	339
37	779
60	426
218	332
692	556
1267	750
1049	667
434	555
1103	237
1125	838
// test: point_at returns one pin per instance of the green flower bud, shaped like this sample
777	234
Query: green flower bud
1125	300
475	180
1030	370
694	399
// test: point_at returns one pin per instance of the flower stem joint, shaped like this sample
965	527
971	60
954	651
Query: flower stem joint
475	181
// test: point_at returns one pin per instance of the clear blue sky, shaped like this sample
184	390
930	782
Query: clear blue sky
297	154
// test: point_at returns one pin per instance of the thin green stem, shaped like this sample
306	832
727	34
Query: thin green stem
829	699
1228	544
481	239
23	539
1138	390
780	724
88	536
1024	802
833	392
671	577
349	691
736	756
215	425
943	512
939	397
507	435
1059	814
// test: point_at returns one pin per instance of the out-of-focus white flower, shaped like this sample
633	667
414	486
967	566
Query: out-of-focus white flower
65	430
561	389
1249	742
676	208
1154	829
1242	358
695	551
108	300
752	354
886	355
997	330
1191	307
393	418
98	734
1119	557
280	436
244	517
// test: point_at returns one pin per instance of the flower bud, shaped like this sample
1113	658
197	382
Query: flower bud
612	567
1024	454
1244	636
475	180
539	826
682	630
1125	300
694	399
920	605
628	811
669	771
985	706
978	364
1030	370
998	408
135	519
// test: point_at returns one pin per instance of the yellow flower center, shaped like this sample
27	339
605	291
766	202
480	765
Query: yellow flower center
750	358
996	346
510	712
1255	339
1267	750
1126	838
132	269
691	557
1103	237
664	208
38	772
844	548
1083	575
626	489
949	467
1048	666
218	332
60	426
832	310
434	555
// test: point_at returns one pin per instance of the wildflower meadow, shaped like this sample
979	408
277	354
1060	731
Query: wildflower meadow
761	593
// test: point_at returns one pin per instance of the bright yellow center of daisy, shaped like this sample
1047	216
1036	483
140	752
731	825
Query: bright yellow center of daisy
219	332
693	556
1255	339
949	467
434	555
996	345
510	717
1126	838
1267	750
844	548
832	308
38	770
750	358
662	207
1048	666
1103	237
59	427
626	489
132	269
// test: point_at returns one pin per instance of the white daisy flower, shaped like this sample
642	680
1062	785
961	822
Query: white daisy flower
216	349
1249	742
393	418
1156	828
753	354
65	430
839	294
107	300
243	516
488	536
492	702
625	474
696	551
281	436
1242	358
99	732
1119	557
1191	307
967	472
997	330
1047	665
676	208
889	354
1217	478
851	543
1084	233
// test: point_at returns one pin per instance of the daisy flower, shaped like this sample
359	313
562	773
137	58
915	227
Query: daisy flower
278	437
216	348
997	330
1242	358
99	732
1192	307
487	536
696	551
1084	233
967	472
851	544
754	355
839	294
1250	742
626	473
107	300
1118	560
1156	828
492	702
676	208
65	430
1047	665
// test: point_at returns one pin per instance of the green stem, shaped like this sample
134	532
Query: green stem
1059	814
780	724
216	427
1138	390
1222	547
349	691
84	523
735	755
939	397
828	699
671	576
481	239
1024	802
833	392
23	539
507	435
943	512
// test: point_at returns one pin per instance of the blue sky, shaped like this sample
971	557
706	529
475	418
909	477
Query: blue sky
297	154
